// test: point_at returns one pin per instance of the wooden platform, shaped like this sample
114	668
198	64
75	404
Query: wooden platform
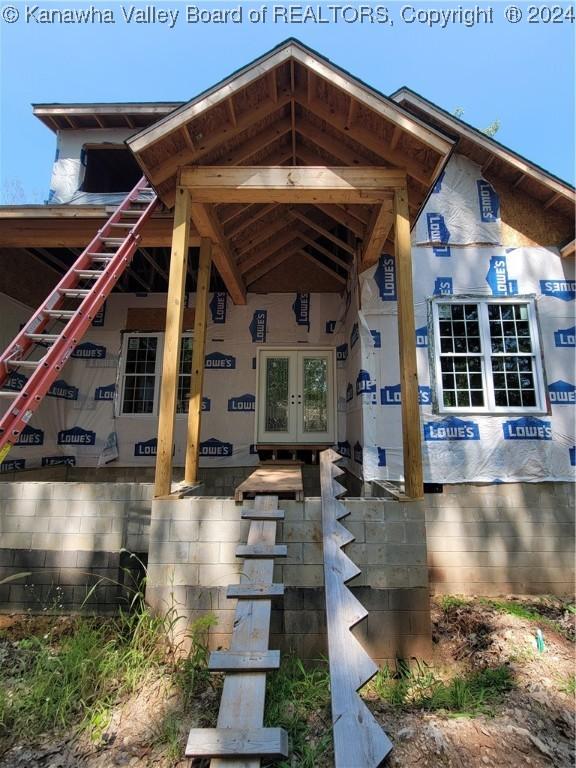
277	479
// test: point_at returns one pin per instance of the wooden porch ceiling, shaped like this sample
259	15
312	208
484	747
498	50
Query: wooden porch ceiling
292	108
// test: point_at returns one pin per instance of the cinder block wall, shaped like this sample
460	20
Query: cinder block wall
192	560
499	539
68	536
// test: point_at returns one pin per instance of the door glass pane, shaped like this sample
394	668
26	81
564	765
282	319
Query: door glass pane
276	394
315	400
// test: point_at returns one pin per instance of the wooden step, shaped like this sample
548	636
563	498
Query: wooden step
254	591
244	661
262	550
263	514
271	743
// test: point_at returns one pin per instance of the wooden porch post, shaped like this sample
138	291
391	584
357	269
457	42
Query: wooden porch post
171	360
198	348
407	345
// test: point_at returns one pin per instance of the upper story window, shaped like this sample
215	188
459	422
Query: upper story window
109	168
487	356
140	374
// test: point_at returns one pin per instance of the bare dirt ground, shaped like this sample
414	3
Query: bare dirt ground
533	724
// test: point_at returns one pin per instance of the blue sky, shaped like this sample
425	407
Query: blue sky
521	74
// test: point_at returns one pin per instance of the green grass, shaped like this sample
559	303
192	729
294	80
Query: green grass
451	602
568	685
513	608
421	688
298	699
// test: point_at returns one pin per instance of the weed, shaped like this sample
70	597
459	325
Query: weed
513	608
421	688
297	699
192	673
170	736
451	602
567	684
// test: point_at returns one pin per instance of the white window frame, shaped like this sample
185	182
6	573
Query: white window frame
157	373
490	406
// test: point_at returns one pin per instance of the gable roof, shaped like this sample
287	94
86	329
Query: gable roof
491	155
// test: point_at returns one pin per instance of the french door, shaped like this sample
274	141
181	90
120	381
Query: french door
295	397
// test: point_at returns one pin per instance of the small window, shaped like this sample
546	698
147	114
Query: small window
487	356
140	372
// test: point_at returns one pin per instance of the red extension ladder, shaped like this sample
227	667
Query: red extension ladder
58	325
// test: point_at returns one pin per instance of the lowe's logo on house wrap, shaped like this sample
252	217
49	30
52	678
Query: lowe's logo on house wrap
301	308
365	384
89	351
391	395
349	392
105	393
527	428
572	452
438	232
385	278
342	352
206	404
258	326
215	448
562	393
559	289
30	436
424	395
377	339
15	382
451	428
358	456
497	278
566	337
14	465
58	461
76	436
422	336
63	390
488	202
242	403
100	317
438	185
330	326
354	335
218	307
344	449
443	286
146	448
218	360
381	456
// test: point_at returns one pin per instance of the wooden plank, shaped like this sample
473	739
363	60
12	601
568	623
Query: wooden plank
251	632
269	263
171	358
265	514
378	230
284	238
253	591
322	231
407	347
290	184
244	661
358	739
325	252
344	218
261	550
270	743
197	372
568	250
283	479
323	267
341	152
240	226
223	256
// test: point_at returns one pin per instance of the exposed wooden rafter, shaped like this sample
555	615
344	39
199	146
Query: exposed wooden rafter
378	231
323	267
273	261
322	231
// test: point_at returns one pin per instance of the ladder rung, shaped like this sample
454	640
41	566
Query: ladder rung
59	312
99	254
74	292
244	661
254	591
125	224
24	363
112	240
9	392
262	550
86	273
233	742
41	337
129	212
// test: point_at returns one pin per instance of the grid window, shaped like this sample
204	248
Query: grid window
140	366
487	356
185	375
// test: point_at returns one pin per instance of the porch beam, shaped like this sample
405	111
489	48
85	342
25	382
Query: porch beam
290	184
411	438
171	359
223	256
381	223
197	375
